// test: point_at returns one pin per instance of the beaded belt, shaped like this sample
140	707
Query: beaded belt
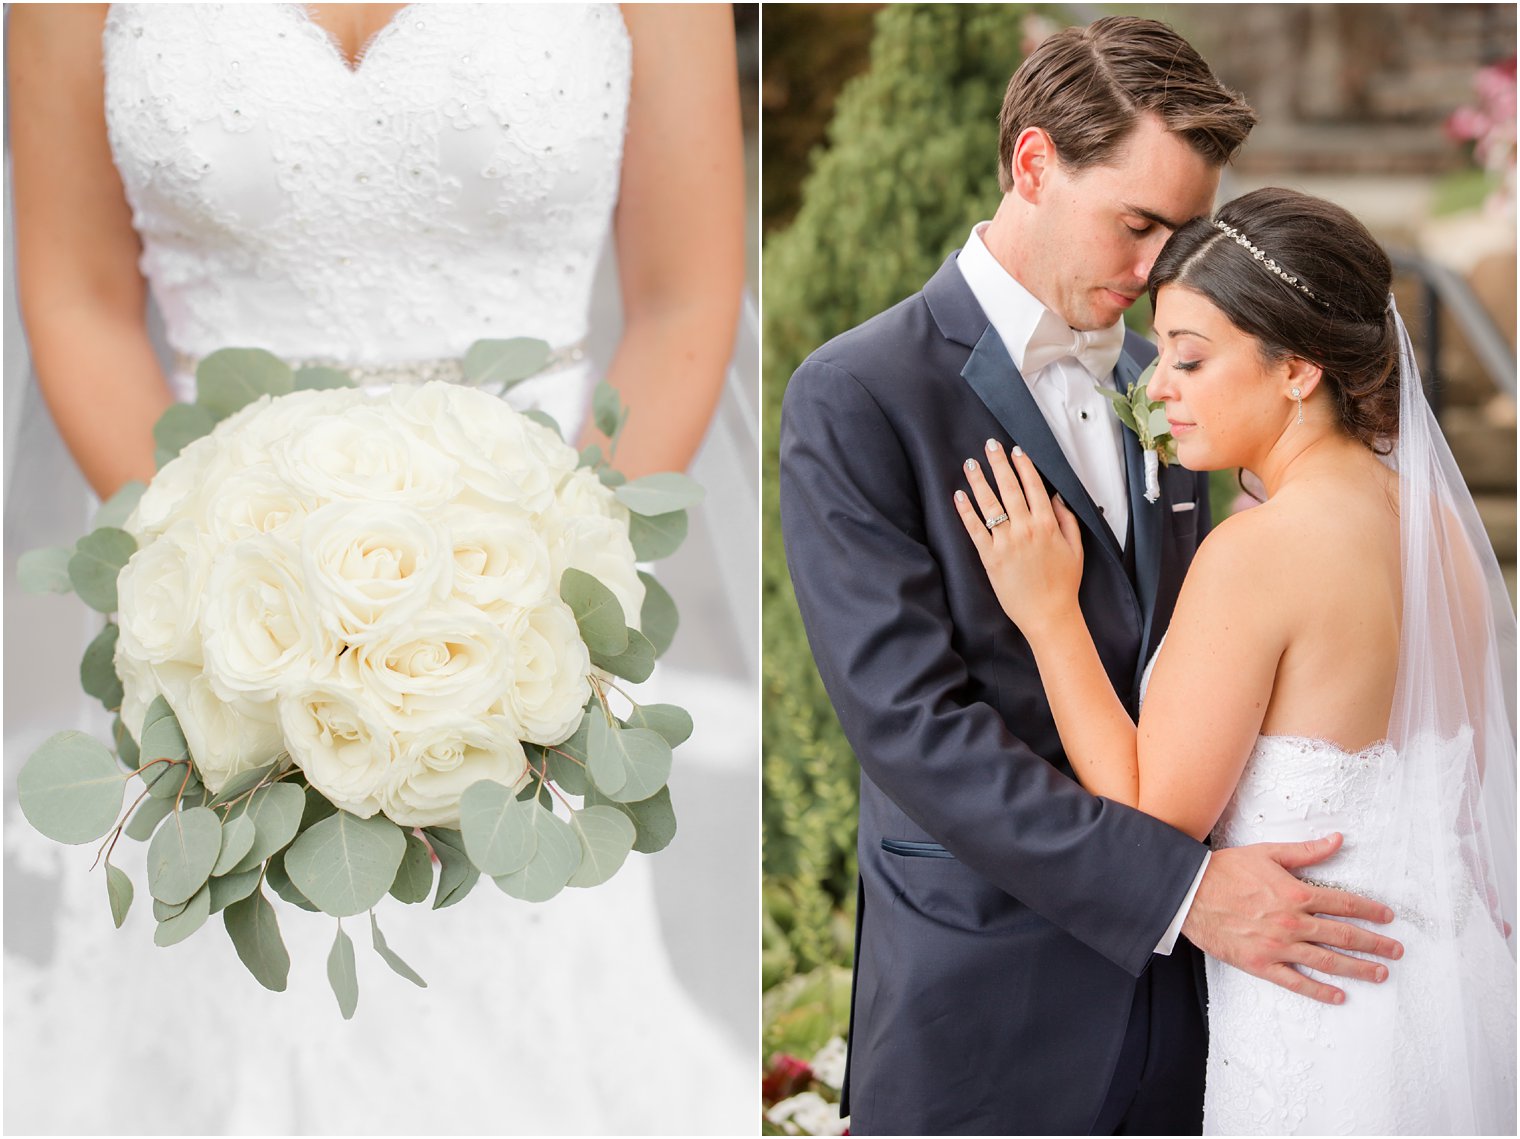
448	368
1411	915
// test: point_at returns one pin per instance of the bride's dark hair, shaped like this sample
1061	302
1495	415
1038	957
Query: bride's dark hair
1346	328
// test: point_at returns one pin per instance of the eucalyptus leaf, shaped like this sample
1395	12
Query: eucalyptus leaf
646	759
166	780
318	807
98	559
173	930
606	836
1158	424
255	934
414	879
610	477
276	813
634	663
279	881
606	409
161	735
115	510
345	864
119	890
671	721
243	783
658	536
231	378
126	747
598	613
179	426
456	873
389	956
182	853
71	788
1126	415
504	362
590	456
660	493
568	775
497	834
163	911
231	888
605	761
536	790
97	671
321	378
145	819
653	818
556	856
342	974
45	570
544	419
237	841
658	618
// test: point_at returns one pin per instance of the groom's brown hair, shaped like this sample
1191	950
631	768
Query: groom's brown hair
1087	86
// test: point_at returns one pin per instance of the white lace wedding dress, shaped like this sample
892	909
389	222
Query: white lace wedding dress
1281	1064
457	184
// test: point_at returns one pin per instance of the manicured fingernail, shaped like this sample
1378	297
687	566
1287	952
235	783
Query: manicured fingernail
971	464
1398	952
992	446
1017	450
1382	973
960	497
1339	998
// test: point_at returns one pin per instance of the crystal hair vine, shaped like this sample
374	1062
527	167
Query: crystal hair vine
1266	262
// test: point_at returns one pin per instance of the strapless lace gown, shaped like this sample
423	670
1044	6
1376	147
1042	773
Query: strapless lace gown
1281	1064
458	184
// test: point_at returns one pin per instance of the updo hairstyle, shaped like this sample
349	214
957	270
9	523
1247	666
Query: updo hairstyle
1347	328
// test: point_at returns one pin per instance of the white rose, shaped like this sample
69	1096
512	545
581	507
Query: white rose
600	547
224	739
258	625
341	745
549	685
139	689
505	459
368	454
254	432
501	563
174	492
370	568
252	501
582	494
158	594
439	762
449	662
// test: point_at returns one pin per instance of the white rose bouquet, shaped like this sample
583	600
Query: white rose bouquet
356	634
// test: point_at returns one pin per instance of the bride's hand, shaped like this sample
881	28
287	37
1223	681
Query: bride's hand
1032	550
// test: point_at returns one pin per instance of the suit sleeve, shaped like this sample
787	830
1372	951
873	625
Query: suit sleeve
873	603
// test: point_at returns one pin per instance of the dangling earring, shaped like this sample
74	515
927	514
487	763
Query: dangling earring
1298	394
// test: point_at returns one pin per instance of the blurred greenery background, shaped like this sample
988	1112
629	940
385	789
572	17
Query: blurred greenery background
880	144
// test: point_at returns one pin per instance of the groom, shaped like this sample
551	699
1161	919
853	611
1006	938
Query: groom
1018	968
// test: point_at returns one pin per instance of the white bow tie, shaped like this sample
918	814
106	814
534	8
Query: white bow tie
1097	351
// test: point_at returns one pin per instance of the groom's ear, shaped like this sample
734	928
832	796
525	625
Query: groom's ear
1034	159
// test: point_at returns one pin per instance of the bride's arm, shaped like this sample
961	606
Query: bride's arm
679	229
1211	684
82	297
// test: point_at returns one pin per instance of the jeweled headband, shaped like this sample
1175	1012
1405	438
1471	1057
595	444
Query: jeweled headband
1266	262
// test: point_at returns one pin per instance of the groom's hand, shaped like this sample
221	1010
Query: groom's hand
1250	912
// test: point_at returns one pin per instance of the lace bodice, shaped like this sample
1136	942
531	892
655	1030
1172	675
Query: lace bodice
457	184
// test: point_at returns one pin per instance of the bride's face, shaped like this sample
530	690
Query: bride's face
1226	405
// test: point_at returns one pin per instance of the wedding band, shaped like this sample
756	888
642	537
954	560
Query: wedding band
998	521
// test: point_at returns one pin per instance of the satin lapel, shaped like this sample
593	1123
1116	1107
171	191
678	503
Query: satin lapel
992	375
1144	517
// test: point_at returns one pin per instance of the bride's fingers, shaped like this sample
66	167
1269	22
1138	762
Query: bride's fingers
1008	483
1032	486
981	538
1295	982
1337	964
1071	529
986	501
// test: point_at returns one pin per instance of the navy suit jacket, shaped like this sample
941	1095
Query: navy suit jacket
1004	913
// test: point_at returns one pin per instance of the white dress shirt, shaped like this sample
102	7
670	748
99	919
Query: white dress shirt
1080	417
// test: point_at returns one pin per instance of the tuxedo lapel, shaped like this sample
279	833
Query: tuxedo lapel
992	375
1144	517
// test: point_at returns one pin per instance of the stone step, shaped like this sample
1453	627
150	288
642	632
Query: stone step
1484	450
1498	514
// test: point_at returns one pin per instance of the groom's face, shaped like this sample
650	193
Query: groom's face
1105	224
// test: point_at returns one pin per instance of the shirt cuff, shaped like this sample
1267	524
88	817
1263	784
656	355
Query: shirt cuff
1169	939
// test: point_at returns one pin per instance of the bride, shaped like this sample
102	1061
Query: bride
371	187
1341	659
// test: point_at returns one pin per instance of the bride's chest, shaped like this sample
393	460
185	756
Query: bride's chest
249	114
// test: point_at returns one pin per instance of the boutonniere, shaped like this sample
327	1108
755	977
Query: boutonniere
1147	419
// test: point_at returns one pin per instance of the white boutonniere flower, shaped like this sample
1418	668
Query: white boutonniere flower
1147	419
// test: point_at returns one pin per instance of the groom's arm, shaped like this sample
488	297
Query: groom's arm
873	601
